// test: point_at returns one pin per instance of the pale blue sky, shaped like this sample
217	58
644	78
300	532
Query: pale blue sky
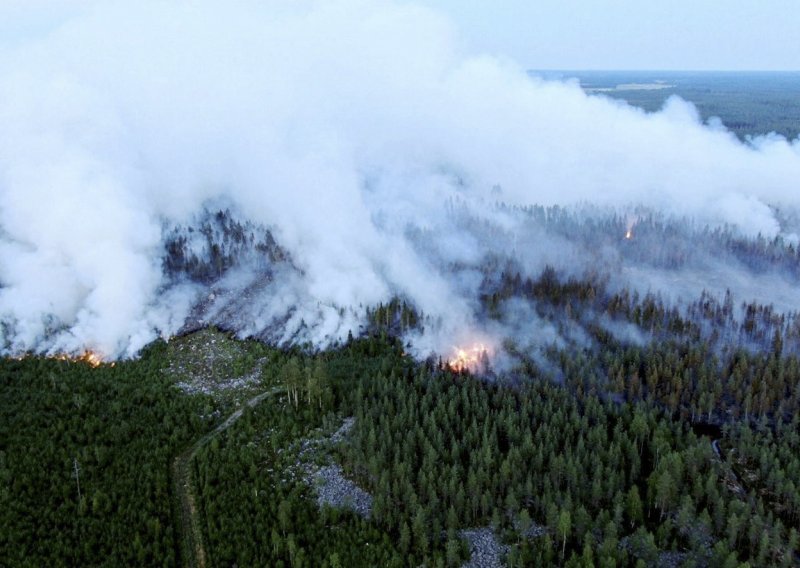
633	34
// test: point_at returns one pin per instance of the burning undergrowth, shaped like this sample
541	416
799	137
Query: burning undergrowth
536	282
530	284
474	359
90	358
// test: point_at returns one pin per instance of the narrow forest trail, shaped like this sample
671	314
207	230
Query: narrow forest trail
191	535
732	481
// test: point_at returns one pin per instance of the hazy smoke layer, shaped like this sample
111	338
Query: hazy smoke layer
338	124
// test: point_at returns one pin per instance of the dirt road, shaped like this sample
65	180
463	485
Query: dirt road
193	551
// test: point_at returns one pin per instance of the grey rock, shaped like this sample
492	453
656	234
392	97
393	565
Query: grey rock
486	551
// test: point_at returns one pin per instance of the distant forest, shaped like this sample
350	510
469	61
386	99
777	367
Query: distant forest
749	104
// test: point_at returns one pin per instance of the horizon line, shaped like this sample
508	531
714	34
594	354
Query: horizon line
644	70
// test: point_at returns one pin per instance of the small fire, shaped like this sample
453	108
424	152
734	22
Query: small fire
632	221
468	359
92	358
89	357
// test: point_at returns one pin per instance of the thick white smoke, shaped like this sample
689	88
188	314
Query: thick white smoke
336	123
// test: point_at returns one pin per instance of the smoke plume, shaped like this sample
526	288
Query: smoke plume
356	132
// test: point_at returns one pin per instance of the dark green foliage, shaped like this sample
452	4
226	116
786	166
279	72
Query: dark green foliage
437	447
767	460
396	317
441	452
260	512
590	480
122	426
704	362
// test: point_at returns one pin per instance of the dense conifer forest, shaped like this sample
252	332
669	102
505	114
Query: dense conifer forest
568	472
84	461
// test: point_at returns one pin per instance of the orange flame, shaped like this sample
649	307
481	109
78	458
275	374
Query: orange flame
632	221
90	357
468	359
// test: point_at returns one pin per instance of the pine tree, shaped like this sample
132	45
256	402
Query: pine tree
564	527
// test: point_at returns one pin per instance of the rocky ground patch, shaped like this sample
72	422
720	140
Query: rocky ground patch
210	362
335	490
327	478
485	549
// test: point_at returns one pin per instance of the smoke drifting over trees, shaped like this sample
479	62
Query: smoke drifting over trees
360	157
